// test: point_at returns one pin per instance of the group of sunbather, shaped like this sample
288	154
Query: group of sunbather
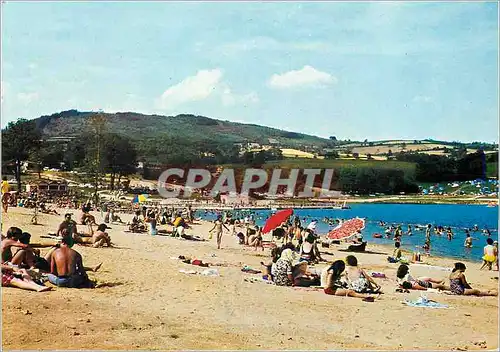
24	267
289	267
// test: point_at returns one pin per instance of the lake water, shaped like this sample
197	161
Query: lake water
458	217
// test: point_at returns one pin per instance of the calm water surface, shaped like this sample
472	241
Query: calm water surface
458	217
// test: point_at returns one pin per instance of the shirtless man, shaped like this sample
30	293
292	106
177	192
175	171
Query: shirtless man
66	267
69	225
24	255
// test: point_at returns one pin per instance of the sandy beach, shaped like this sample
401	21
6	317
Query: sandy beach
144	302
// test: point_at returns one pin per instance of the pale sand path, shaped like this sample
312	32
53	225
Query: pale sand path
154	306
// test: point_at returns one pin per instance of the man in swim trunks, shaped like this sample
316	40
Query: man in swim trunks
70	226
66	267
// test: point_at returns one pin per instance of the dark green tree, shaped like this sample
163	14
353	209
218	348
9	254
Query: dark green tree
120	157
19	140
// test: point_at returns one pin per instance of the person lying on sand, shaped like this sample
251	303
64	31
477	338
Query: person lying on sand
66	267
358	279
24	256
337	286
302	277
459	285
420	283
12	277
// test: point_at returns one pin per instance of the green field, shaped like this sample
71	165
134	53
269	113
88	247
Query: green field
492	169
303	163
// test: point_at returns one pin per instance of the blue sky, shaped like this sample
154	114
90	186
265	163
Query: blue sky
354	70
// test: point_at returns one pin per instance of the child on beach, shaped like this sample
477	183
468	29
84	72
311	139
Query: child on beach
459	285
490	254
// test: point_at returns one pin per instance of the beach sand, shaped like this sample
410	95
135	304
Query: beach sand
146	303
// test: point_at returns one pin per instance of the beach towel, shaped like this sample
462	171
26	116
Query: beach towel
194	272
423	302
259	280
247	269
210	272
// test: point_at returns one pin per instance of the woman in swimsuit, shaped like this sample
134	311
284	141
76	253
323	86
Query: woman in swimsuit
459	285
337	287
419	283
358	279
218	225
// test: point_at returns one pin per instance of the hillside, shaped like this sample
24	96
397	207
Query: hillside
186	127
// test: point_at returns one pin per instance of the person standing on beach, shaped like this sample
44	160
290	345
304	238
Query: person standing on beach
490	254
5	194
218	230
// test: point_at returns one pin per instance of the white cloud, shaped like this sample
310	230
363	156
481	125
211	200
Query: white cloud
193	88
27	98
307	76
422	99
230	99
203	85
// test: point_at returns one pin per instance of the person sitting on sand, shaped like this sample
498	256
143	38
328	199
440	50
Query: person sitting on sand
302	277
490	254
397	255
180	226
66	267
256	240
69	225
151	219
421	283
115	217
337	286
282	272
309	251
459	285
24	256
100	237
85	217
136	225
358	279
12	277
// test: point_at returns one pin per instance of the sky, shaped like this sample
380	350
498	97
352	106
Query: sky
354	70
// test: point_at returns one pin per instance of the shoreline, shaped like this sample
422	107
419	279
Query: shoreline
148	299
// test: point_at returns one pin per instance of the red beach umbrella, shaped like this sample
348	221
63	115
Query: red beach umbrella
347	229
276	220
